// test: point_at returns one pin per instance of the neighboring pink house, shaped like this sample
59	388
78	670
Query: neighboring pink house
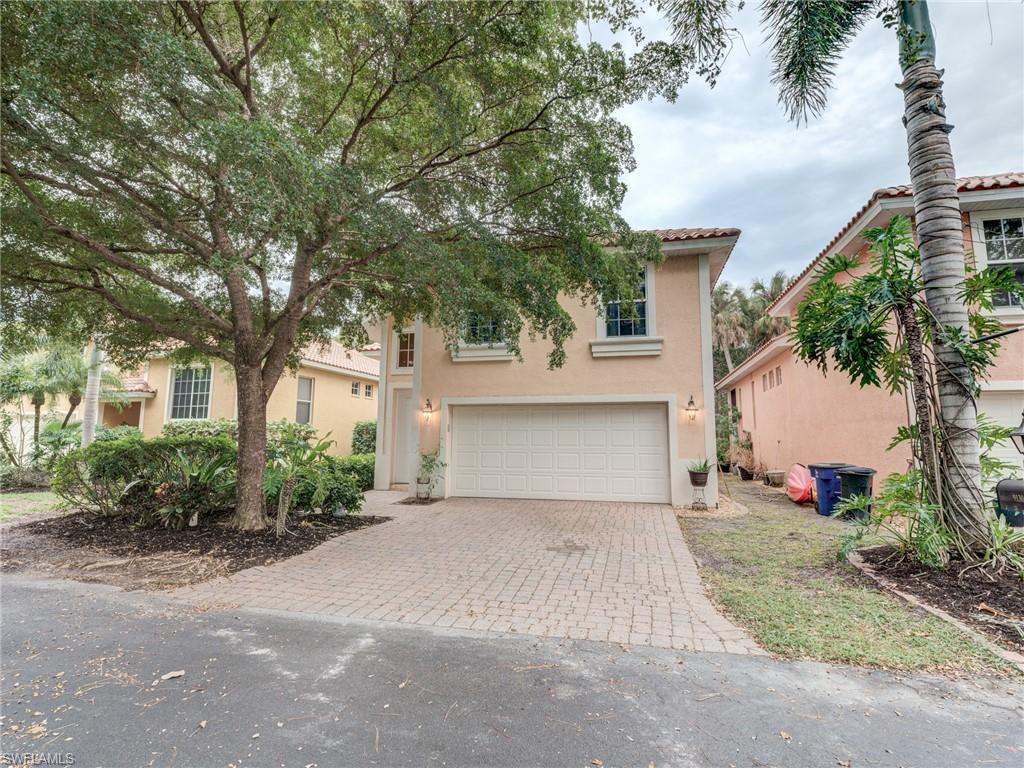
611	424
795	414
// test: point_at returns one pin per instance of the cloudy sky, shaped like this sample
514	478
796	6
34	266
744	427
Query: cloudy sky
729	157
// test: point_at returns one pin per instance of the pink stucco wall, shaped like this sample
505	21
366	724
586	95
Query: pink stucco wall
813	417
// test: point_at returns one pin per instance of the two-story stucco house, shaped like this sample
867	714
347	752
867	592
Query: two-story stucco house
612	424
794	414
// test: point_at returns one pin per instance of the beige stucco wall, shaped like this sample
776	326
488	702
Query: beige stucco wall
335	410
677	371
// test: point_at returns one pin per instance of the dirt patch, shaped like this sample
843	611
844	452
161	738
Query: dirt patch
88	548
991	604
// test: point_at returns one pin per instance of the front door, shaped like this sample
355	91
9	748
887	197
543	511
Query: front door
401	472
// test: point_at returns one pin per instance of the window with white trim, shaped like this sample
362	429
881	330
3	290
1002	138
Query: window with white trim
406	349
304	401
190	392
355	389
1004	247
482	330
368	391
619	323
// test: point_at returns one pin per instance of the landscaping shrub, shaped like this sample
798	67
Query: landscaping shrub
278	432
364	437
118	433
22	477
360	466
97	478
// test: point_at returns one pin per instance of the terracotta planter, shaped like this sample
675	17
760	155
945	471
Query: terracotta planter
745	474
698	479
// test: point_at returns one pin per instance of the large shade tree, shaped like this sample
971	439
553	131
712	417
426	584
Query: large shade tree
243	178
807	40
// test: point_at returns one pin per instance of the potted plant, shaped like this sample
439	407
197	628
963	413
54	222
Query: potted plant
722	451
429	473
742	455
699	472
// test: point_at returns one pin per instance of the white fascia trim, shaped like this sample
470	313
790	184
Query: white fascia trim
626	346
988	195
760	357
675	471
481	352
1004	385
707	244
335	369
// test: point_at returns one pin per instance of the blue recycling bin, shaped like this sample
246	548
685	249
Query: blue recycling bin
826	484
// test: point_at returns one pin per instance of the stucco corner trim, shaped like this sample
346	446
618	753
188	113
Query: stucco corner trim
627	346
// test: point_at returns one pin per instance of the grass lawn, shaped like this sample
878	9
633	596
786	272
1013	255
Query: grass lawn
14	505
774	572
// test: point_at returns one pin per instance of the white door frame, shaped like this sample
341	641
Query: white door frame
392	445
678	480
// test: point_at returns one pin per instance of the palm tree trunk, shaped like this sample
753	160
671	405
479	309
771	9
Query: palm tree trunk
940	233
92	395
728	358
37	405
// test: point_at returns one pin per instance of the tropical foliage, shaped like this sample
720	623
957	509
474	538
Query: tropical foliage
740	319
875	327
807	40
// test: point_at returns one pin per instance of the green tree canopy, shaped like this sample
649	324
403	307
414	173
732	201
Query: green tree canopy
247	177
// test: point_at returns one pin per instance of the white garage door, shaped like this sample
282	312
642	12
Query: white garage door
1004	408
589	452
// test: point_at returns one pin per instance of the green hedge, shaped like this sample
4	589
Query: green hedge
364	437
229	428
360	466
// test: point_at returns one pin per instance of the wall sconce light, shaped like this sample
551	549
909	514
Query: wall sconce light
1017	436
691	409
428	408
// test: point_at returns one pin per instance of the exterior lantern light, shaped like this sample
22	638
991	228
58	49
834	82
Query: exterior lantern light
428	408
1018	435
691	409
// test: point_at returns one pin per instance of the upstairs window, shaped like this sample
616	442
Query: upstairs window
1004	247
406	349
190	392
368	391
778	376
355	389
482	330
621	323
304	401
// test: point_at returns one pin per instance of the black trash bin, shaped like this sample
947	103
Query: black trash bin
856	481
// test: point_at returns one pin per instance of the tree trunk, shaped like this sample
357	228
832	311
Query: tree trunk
252	448
921	395
940	233
37	405
728	357
92	395
74	398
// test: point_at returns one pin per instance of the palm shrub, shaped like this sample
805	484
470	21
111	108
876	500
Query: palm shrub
364	437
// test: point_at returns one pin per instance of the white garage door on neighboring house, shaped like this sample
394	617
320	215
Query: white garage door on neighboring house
1004	408
614	452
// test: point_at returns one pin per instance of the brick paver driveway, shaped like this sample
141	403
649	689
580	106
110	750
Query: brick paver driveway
600	571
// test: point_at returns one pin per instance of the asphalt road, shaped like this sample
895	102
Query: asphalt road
82	667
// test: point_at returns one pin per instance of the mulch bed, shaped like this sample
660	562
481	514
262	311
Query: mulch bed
992	604
90	548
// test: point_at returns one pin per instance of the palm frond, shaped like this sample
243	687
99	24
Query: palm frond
807	39
701	26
